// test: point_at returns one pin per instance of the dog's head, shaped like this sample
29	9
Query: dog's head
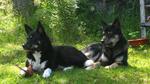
35	38
111	33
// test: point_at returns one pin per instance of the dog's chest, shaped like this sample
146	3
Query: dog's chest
37	64
103	58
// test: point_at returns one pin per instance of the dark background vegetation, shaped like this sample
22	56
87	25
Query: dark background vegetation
68	21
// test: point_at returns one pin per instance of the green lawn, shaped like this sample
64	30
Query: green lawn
12	36
137	73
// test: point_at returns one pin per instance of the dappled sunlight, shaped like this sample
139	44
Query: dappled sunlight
139	59
10	46
9	73
61	81
7	23
11	53
9	69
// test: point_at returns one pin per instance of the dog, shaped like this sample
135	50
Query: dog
112	51
44	57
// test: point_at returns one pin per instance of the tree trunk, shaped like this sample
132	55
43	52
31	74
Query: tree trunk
23	7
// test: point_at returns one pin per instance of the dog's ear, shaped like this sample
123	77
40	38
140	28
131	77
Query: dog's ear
40	28
104	25
116	23
27	29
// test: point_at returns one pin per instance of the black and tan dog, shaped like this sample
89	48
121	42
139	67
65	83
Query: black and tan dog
112	51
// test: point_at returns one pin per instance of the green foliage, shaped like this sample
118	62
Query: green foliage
67	27
59	19
90	16
23	8
74	21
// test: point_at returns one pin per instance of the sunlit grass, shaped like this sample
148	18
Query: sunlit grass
136	73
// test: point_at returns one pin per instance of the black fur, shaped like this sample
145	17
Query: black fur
54	55
113	45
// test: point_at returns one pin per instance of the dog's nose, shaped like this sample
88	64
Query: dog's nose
102	41
23	45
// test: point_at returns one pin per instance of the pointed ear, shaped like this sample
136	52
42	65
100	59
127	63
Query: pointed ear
40	28
104	24
116	23
27	29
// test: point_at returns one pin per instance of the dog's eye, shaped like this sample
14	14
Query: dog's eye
30	37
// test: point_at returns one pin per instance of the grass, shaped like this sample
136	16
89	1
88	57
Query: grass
11	53
136	73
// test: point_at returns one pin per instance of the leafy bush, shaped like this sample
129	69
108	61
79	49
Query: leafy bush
90	15
74	21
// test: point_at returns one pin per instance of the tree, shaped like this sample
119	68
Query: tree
23	7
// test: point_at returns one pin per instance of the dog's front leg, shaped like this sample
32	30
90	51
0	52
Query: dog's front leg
113	65
93	66
47	72
49	67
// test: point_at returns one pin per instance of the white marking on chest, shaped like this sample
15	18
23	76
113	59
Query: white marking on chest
104	58
37	65
119	59
115	40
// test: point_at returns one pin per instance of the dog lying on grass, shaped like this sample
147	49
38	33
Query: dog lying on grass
44	57
112	51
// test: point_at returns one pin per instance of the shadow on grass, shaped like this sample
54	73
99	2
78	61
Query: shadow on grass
120	75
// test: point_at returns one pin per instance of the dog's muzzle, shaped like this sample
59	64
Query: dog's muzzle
26	47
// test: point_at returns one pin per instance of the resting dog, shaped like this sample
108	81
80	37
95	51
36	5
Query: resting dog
112	51
44	57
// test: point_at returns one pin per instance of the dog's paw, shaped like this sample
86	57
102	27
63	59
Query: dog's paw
88	63
93	66
47	73
23	72
89	68
107	67
68	68
114	65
